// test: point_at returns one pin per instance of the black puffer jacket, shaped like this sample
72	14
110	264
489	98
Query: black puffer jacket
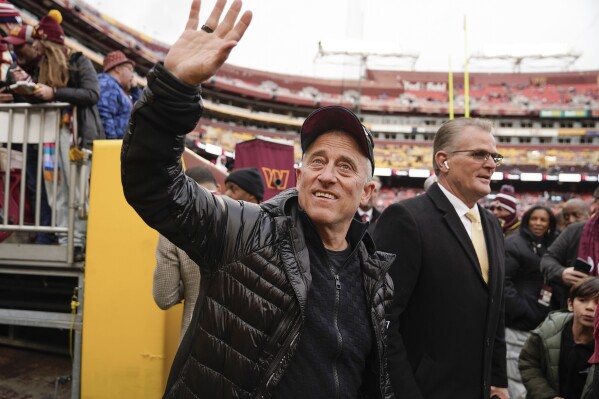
255	263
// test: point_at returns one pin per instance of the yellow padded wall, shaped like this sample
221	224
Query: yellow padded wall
128	342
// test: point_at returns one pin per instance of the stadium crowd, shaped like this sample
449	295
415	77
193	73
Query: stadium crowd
476	294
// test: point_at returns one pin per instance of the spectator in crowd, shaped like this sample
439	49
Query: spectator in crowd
27	61
554	360
67	76
558	263
115	104
588	251
559	217
588	248
527	298
176	276
505	209
595	202
245	184
21	40
576	210
367	212
293	296
135	91
10	19
449	272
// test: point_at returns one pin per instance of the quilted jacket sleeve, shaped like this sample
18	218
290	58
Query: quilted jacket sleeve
532	366
211	229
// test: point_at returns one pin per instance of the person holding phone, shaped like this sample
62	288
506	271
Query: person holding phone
558	263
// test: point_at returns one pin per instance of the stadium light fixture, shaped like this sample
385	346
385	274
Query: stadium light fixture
518	54
363	51
361	48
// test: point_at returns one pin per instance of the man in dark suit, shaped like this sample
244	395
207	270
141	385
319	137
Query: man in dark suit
367	212
446	338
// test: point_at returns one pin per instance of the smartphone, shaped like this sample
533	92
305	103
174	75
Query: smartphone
581	266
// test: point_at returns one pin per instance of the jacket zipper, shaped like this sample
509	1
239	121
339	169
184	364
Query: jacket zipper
289	342
283	324
336	323
291	338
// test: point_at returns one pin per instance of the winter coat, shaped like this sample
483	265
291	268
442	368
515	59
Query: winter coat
539	359
560	255
83	91
523	278
114	107
254	260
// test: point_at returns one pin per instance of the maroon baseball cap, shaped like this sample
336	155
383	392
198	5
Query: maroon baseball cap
19	36
336	117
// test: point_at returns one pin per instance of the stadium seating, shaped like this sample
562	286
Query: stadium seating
405	155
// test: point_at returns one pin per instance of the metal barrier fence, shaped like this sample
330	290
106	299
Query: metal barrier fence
24	130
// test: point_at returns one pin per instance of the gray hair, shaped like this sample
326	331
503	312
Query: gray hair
448	133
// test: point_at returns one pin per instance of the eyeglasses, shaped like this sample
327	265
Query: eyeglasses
482	155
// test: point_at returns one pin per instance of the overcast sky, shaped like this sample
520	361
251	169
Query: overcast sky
284	35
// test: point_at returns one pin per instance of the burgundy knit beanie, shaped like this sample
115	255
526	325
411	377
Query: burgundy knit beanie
49	28
505	199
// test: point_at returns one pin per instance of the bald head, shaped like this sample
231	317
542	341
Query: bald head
576	210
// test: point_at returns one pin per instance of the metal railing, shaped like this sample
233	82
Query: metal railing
21	127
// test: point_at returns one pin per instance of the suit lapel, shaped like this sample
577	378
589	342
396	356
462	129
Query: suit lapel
456	226
492	247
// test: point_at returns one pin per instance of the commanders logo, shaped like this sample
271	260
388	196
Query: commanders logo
276	179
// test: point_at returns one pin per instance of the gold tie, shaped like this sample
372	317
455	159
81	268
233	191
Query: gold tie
478	240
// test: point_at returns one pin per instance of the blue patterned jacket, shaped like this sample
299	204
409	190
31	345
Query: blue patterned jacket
114	106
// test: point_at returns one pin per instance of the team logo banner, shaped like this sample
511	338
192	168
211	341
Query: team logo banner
273	160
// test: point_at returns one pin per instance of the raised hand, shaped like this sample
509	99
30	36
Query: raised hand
198	54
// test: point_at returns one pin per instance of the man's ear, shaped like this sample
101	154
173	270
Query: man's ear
440	159
367	192
298	173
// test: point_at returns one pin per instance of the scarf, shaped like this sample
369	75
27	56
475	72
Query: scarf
589	243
